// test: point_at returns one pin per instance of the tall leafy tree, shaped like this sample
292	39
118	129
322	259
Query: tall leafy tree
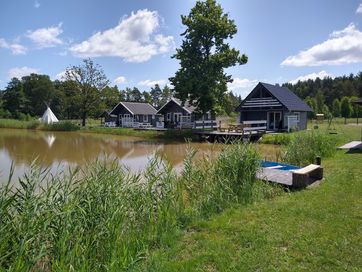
156	96
203	56
336	108
319	101
89	80
167	94
346	108
39	91
14	100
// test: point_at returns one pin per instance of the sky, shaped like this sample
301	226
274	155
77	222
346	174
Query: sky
133	41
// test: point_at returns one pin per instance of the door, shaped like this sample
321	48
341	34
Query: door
274	120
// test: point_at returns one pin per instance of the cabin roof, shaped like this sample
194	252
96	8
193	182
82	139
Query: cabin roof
285	96
137	108
187	106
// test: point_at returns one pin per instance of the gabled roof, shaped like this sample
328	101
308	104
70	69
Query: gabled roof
187	106
285	96
137	108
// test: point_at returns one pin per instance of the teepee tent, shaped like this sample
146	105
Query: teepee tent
49	117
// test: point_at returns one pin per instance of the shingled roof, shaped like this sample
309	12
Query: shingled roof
137	108
187	106
285	96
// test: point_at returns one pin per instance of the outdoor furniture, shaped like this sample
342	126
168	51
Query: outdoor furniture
302	177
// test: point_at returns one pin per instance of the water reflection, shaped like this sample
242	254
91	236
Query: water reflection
58	150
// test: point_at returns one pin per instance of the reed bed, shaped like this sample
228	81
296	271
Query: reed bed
105	218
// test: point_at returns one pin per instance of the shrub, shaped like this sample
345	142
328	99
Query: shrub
62	126
277	139
304	147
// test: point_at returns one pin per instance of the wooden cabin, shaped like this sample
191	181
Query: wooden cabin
133	114
178	115
278	108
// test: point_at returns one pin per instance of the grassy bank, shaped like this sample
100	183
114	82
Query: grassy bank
73	126
106	218
317	229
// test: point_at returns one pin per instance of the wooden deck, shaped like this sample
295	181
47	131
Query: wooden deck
276	176
222	135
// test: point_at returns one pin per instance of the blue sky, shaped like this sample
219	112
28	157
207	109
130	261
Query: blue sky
133	40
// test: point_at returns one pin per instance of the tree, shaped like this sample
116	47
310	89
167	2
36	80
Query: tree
109	97
89	80
312	104
147	98
203	56
336	108
346	108
39	92
14	100
156	96
167	94
319	101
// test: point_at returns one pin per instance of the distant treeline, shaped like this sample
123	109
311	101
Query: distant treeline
331	96
27	97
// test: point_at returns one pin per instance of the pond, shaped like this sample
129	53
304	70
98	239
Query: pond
60	150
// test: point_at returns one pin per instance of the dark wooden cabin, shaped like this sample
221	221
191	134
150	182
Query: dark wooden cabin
178	115
133	114
278	107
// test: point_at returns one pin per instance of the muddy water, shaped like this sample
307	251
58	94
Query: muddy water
60	150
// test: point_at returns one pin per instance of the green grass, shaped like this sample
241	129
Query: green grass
318	229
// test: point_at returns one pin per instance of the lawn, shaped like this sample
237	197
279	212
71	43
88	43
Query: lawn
317	229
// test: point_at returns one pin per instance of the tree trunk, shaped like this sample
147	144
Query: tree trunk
84	116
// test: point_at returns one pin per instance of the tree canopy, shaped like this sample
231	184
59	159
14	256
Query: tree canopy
203	56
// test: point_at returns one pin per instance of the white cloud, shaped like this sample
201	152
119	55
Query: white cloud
120	80
151	83
359	9
242	86
16	48
342	47
322	74
60	76
46	37
19	72
134	39
36	4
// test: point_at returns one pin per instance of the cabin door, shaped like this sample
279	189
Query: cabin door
274	120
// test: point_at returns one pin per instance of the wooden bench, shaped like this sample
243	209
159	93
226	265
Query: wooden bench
303	177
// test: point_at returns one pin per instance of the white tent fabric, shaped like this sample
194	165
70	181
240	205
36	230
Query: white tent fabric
49	117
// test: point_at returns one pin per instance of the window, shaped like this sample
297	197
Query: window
126	115
297	114
145	118
177	116
168	116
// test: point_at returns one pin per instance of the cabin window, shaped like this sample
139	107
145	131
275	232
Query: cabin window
126	115
168	116
145	118
297	114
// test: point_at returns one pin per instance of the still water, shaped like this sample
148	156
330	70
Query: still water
60	150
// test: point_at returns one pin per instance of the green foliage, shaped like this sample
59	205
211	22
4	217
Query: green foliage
328	89
106	218
305	146
336	108
204	55
346	108
12	123
277	139
61	126
88	79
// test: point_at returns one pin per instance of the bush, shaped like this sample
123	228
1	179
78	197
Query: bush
34	124
61	126
277	139
304	147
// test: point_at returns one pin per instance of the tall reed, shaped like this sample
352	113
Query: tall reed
107	218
